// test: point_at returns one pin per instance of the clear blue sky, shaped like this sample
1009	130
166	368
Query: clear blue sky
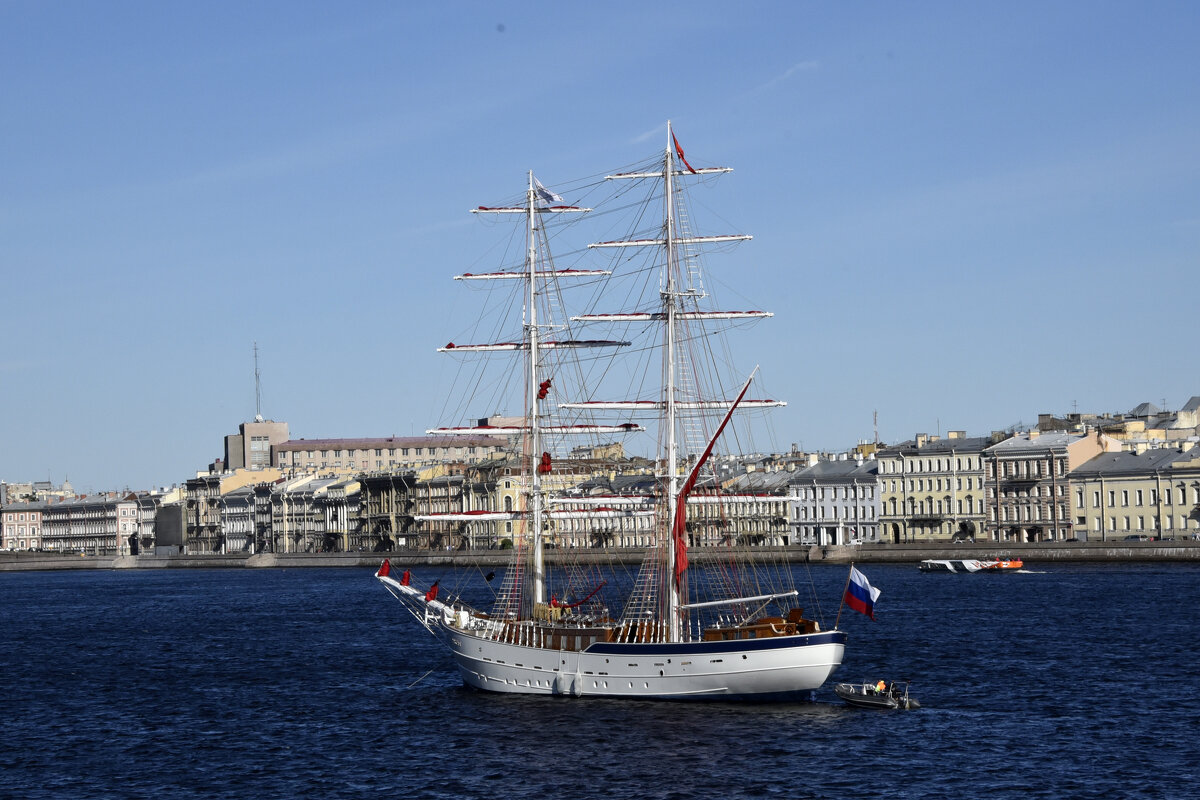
964	214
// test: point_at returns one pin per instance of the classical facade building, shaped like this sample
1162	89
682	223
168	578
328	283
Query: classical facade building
349	456
932	489
21	526
101	525
748	509
835	502
387	504
1028	485
1153	493
203	530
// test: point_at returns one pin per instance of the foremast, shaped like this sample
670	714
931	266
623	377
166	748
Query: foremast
537	274
533	442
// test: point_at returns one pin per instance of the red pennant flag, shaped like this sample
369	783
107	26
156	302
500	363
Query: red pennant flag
431	595
405	578
679	150
384	570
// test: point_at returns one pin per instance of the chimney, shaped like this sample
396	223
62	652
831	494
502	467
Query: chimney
922	439
956	434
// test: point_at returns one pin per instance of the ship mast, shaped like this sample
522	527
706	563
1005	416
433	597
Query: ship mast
533	421
669	410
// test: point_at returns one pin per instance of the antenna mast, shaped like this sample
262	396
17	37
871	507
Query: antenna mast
257	388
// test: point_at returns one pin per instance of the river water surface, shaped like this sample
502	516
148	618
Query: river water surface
1055	682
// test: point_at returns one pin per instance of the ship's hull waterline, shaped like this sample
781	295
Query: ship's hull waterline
770	667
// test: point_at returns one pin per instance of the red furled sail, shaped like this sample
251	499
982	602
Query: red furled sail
679	526
679	150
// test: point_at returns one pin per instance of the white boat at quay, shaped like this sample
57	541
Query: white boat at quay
700	618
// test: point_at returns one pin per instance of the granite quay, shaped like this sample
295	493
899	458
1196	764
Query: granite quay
1034	554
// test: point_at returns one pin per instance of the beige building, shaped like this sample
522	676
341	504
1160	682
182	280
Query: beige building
1152	494
1028	486
375	455
932	489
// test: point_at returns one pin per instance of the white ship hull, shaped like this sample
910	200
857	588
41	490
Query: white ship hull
769	667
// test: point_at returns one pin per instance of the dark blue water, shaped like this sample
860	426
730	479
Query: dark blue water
1067	681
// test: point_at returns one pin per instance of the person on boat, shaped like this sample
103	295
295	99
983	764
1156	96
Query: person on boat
880	687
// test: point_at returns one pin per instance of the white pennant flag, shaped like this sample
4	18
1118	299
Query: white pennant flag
545	194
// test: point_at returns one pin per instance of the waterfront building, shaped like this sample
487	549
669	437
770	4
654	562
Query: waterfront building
341	505
237	510
145	535
312	514
387	503
349	456
1153	493
630	491
101	525
932	489
21	526
1027	492
202	528
835	502
748	509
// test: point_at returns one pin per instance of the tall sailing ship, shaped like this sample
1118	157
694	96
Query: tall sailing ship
700	618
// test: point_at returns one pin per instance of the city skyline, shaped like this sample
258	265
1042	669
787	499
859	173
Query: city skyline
963	216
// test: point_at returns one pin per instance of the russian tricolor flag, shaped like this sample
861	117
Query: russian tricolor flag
860	594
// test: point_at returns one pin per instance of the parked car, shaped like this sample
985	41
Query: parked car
1137	537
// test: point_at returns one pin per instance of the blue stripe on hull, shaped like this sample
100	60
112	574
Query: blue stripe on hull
721	646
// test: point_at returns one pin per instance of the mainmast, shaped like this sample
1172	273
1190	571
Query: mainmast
670	305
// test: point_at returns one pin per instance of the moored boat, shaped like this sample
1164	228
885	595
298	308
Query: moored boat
700	619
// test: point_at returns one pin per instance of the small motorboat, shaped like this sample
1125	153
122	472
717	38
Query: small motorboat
1004	564
877	695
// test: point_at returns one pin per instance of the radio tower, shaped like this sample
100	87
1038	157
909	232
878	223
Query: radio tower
258	417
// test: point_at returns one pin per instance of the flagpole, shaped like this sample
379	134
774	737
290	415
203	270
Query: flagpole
844	588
